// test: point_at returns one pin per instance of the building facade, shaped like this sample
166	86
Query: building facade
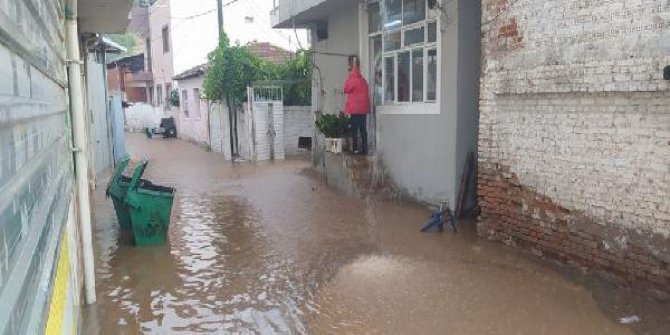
44	213
574	154
128	78
194	122
421	60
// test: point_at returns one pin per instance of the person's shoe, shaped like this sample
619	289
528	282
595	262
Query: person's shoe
356	152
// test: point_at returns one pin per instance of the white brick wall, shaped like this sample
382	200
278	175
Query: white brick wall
298	122
573	103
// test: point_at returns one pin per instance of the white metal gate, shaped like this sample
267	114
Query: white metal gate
266	110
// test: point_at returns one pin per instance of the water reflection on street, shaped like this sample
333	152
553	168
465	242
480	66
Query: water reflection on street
264	248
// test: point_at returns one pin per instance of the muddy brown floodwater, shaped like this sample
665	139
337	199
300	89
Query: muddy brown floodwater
265	248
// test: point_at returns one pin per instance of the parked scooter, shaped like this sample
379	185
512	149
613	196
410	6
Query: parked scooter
167	128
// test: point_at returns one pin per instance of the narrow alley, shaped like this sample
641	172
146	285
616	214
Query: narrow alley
267	248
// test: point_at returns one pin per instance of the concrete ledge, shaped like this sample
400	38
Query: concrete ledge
360	176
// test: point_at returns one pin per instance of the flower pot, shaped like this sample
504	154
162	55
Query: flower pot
334	145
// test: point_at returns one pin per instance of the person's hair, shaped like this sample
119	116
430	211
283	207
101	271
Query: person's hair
354	61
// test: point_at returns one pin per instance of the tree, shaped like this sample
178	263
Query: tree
232	69
299	71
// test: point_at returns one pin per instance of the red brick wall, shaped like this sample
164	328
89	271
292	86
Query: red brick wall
517	216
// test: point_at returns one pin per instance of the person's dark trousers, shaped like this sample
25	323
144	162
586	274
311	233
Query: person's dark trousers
359	123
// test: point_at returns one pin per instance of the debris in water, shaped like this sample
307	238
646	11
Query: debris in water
629	320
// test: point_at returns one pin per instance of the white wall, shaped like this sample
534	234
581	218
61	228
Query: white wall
162	62
343	39
141	115
194	126
298	122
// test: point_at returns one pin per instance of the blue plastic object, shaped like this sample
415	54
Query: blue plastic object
438	219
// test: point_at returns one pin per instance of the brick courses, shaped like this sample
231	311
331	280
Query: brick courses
574	137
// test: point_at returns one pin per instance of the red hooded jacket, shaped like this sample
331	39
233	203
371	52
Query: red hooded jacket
358	93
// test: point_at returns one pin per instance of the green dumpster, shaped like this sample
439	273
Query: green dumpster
150	207
117	189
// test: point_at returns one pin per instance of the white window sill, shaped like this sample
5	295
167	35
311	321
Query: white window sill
419	108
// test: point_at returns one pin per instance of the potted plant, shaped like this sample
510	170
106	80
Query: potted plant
335	128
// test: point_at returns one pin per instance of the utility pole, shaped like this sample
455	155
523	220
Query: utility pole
219	10
232	117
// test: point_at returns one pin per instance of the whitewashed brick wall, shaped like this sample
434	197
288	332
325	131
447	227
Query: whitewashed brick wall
298	122
574	108
579	109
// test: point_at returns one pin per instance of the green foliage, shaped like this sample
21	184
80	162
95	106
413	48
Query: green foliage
333	126
233	68
174	98
128	41
297	69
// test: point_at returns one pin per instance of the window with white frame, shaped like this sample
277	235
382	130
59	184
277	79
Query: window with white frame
403	51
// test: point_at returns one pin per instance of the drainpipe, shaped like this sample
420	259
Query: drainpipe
80	145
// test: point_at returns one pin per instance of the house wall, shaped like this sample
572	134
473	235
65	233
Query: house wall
343	40
298	122
195	126
424	147
36	173
162	62
574	161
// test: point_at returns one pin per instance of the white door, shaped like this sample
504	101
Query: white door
101	143
215	130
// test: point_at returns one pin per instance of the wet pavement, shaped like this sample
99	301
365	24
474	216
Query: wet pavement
266	248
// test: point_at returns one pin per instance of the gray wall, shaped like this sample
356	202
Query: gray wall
425	154
342	41
35	160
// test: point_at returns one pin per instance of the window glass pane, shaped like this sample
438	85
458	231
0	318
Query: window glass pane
403	76
376	66
392	41
432	75
413	11
196	99
417	75
184	101
432	32
374	17
389	79
414	36
393	13
166	39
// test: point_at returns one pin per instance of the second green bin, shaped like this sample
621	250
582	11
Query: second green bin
150	207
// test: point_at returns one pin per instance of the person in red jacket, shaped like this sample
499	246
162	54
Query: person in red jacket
358	104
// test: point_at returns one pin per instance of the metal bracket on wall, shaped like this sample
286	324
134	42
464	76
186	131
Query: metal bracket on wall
74	61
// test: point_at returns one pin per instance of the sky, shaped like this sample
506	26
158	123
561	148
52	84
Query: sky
195	32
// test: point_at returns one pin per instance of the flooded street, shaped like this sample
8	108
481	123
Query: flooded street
265	248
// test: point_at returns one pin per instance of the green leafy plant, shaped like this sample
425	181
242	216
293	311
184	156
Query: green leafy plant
174	98
333	126
232	69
